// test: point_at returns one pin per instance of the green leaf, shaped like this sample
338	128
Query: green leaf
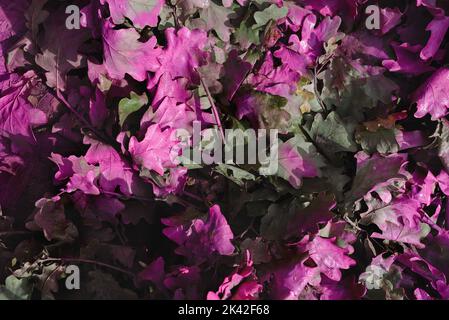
291	219
167	19
389	281
385	168
353	90
104	287
269	110
259	249
234	174
333	134
273	12
217	18
443	142
16	289
307	100
129	105
383	141
245	35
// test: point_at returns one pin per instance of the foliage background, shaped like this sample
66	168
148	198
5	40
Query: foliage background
357	210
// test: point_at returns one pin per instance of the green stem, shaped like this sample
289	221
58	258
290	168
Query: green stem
87	261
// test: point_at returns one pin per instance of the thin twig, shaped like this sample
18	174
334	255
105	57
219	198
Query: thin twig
315	90
249	228
178	23
352	223
60	97
429	221
192	195
14	233
127	197
86	123
214	108
98	263
48	277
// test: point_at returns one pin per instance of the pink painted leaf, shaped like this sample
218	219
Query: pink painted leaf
182	55
432	96
329	257
242	284
124	53
198	239
398	221
157	151
296	162
16	112
114	171
141	12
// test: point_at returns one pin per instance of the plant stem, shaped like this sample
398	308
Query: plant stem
214	108
126	197
429	221
14	233
192	195
86	123
178	23
317	94
87	261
